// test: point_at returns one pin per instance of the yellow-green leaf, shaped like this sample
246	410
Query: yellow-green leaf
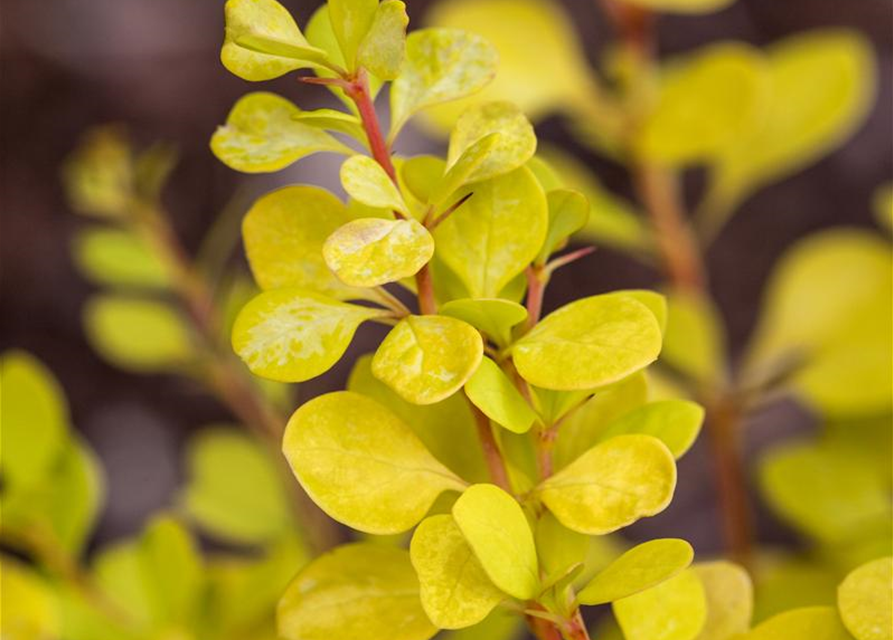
138	334
428	358
362	464
515	141
371	251
99	176
729	594
491	391
682	6
883	206
455	590
612	485
473	241
675	609
676	423
356	591
694	341
284	234
263	42
704	100
493	316
865	598
365	181
568	213
642	567
496	529
262	135
440	65
589	343
250	506
351	21
384	46
292	335
114	257
421	175
172	571
334	120
460	172
558	547
807	623
30	610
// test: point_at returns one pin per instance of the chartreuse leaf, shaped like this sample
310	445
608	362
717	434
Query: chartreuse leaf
499	625
333	120
493	316
371	251
356	591
362	465
568	213
515	141
115	257
612	485
138	334
820	89
704	100
807	623
589	343
351	21
446	428
675	609
694	342
428	358
558	548
491	391
472	241
284	232
249	506
461	171
262	134
581	430
72	498
30	610
682	6
729	594
656	302
292	335
384	46
455	589
263	42
421	175
497	530
440	65
557	57
676	423
791	582
172	571
883	206
365	181
99	176
864	599
34	414
829	492
642	567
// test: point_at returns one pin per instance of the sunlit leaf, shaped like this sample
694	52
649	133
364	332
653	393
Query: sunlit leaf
455	590
589	343
117	258
421	175
263	42
362	464
568	213
30	611
491	390
558	547
384	46
682	6
262	134
676	423
365	181
694	342
472	241
675	609
293	335
356	591
428	358
864	599
729	599
642	567
441	65
493	316
808	623
496	529
333	120
351	21
612	485
138	334
249	506
461	172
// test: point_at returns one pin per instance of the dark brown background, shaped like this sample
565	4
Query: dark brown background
153	65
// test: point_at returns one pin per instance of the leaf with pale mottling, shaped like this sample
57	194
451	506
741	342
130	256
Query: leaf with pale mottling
864	598
384	46
365	181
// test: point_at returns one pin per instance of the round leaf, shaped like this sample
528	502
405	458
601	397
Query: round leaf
729	594
365	181
356	591
30	610
864	599
118	258
493	393
292	335
676	423
612	485
807	623
371	251
568	213
676	609
642	567
496	529
262	135
455	590
428	358
384	46
694	340
493	316
589	343
362	465
351	21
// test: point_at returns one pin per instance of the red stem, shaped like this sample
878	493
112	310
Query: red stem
492	455
536	286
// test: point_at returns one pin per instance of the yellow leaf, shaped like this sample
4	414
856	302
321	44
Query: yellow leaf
729	599
864	599
365	181
491	391
808	623
673	610
384	46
